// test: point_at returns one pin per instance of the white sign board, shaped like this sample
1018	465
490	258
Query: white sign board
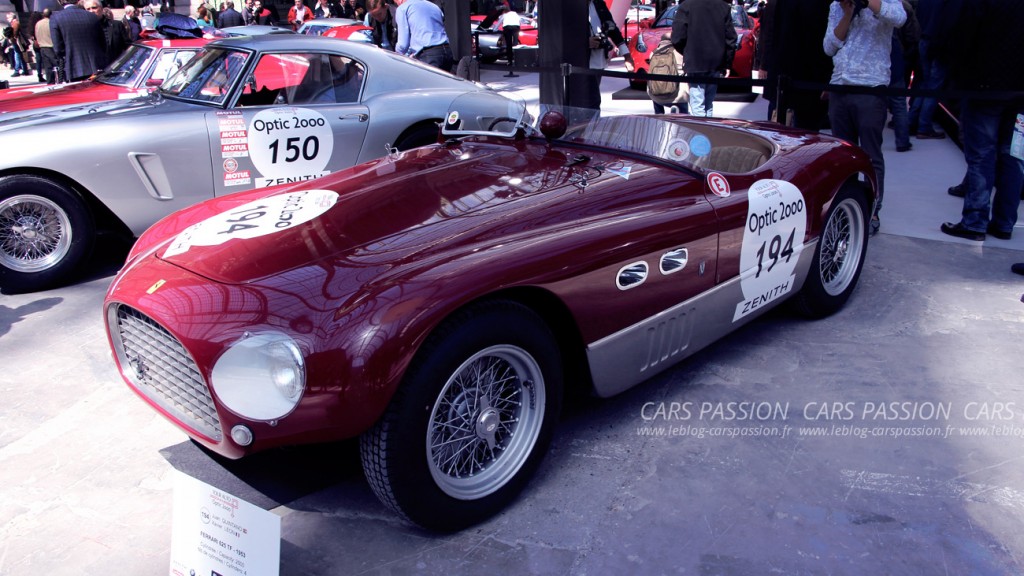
215	533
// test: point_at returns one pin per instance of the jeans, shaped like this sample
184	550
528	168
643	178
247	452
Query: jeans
859	119
922	108
900	117
20	65
702	96
987	129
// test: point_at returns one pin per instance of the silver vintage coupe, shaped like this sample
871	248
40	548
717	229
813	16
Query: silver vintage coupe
246	113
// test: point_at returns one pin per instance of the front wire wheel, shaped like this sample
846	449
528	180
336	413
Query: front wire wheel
471	419
485	422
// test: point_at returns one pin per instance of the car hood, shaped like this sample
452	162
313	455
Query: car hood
46	117
431	203
44	99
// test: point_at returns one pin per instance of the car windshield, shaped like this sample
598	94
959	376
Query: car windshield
485	113
208	77
740	18
666	18
696	145
128	68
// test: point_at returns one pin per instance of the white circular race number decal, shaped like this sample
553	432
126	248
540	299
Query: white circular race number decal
772	240
257	218
290	144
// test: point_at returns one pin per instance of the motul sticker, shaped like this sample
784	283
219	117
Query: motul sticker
242	178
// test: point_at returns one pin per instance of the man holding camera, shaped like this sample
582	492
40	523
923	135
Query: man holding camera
859	40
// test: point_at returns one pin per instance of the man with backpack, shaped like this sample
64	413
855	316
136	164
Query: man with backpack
665	61
703	32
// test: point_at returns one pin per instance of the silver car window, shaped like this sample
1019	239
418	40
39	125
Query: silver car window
302	79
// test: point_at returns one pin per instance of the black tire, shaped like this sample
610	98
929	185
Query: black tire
46	233
419	135
839	255
447	456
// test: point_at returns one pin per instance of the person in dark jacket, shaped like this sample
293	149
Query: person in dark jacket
703	32
382	19
791	35
229	16
78	41
115	35
132	22
988	122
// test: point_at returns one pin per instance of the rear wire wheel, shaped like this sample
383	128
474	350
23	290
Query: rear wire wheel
46	233
839	255
420	135
471	420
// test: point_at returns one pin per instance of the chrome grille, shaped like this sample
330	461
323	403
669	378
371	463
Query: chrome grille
160	367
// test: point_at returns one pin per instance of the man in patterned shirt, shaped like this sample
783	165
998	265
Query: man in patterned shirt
859	40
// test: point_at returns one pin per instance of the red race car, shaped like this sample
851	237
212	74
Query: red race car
141	67
437	302
642	45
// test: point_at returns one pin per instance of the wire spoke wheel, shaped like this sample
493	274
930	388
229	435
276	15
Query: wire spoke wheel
35	233
842	243
485	422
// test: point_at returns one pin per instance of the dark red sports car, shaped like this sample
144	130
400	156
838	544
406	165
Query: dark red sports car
436	302
141	67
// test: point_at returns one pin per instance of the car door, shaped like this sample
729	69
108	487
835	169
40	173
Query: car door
654	254
297	117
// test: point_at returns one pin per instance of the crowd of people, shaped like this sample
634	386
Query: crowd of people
932	45
66	43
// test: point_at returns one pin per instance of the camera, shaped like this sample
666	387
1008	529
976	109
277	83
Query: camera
606	43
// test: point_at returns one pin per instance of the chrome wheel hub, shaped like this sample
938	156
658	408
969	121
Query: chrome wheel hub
35	233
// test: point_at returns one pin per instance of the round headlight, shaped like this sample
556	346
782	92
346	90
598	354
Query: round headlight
260	377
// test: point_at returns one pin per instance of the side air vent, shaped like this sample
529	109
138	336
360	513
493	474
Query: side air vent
674	261
632	275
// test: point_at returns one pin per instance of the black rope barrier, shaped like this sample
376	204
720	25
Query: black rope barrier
951	94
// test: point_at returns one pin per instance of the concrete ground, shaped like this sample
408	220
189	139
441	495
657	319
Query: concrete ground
889	440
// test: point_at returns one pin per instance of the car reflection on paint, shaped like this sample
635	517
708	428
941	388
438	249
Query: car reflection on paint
435	303
246	112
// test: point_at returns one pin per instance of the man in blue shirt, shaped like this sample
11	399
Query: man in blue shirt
421	33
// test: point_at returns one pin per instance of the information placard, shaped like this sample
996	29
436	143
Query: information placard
218	534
